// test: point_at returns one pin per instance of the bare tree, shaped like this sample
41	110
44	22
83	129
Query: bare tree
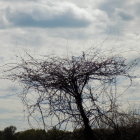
77	90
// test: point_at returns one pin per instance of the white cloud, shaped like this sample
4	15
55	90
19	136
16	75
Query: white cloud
42	16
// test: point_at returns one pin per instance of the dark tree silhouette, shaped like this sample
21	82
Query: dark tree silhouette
8	133
80	90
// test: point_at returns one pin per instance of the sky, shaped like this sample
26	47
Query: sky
63	27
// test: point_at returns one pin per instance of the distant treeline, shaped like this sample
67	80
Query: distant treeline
124	133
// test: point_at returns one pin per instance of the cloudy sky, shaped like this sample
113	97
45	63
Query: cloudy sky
63	27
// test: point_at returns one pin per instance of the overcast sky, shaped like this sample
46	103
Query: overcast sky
58	27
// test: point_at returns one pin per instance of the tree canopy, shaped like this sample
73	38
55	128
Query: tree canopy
78	90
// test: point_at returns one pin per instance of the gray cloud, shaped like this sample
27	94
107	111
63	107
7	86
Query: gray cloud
121	15
137	8
55	15
125	16
109	6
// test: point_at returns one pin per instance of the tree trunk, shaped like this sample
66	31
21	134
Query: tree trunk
88	132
